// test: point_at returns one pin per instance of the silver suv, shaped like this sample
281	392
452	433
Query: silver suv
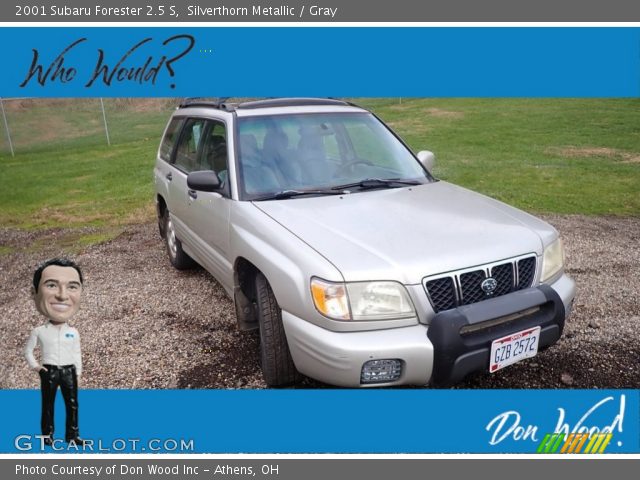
358	267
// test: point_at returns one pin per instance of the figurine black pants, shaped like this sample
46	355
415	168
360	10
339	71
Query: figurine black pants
64	377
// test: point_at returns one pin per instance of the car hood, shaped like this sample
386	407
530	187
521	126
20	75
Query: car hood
405	234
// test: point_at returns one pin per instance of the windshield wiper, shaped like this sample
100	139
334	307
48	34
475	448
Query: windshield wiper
286	194
378	183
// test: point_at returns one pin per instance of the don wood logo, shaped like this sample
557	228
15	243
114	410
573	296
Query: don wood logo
593	433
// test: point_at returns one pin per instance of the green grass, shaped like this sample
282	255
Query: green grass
74	178
573	156
46	124
97	186
74	241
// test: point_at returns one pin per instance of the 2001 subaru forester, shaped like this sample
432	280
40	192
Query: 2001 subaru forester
356	264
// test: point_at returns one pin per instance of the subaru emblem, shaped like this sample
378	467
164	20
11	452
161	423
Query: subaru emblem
489	285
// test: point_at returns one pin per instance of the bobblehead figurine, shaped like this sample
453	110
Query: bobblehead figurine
57	286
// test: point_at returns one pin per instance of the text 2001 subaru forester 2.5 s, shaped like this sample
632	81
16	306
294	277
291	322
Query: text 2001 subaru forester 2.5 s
356	264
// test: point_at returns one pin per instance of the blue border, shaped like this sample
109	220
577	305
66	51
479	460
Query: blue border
486	62
330	421
349	61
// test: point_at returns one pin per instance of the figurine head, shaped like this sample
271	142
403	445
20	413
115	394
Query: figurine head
57	286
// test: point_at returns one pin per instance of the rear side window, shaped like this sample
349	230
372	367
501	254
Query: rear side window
214	154
188	147
170	138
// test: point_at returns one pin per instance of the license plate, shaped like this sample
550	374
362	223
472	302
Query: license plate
508	350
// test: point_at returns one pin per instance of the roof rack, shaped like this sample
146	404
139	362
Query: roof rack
291	102
194	102
220	103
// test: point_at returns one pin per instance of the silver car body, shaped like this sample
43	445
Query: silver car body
403	235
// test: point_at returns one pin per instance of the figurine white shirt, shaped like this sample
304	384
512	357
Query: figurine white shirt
59	345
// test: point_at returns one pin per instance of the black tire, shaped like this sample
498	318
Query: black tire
177	257
277	365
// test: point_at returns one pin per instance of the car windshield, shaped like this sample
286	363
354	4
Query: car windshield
299	152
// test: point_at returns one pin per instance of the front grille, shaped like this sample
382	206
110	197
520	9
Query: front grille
464	287
503	273
470	285
526	272
442	292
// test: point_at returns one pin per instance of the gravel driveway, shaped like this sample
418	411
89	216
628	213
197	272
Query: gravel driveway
145	325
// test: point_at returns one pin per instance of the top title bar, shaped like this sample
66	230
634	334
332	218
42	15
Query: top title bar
326	11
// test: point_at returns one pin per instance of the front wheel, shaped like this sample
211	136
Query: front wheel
277	365
178	258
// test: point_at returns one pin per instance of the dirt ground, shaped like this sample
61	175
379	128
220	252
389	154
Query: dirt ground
145	325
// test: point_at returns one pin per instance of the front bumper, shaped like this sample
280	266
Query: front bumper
457	354
336	358
437	353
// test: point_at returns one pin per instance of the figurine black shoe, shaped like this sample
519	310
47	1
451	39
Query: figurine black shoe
48	440
80	442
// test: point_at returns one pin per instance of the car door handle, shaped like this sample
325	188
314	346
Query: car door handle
193	194
169	176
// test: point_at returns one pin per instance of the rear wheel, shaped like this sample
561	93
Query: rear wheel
277	365
177	257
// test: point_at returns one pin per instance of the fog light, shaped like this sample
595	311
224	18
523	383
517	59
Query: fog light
381	371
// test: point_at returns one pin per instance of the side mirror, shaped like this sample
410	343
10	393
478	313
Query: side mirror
427	159
203	181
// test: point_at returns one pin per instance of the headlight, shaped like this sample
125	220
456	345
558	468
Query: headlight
552	260
361	300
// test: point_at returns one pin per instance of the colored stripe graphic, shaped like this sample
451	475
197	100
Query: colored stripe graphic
550	443
597	443
574	443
